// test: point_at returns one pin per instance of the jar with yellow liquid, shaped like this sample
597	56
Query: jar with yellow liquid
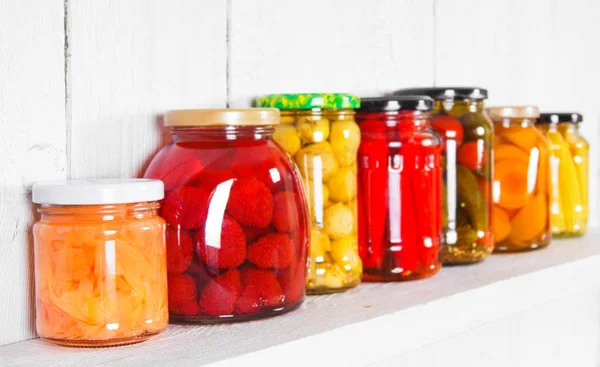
569	158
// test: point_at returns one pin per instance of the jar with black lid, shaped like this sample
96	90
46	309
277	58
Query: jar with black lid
467	135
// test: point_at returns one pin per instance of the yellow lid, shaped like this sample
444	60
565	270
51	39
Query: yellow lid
223	117
517	112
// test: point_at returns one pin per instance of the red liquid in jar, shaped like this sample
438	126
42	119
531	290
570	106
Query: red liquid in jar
399	197
237	231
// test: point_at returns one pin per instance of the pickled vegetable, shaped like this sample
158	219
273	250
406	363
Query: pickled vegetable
326	159
468	179
467	160
470	195
399	190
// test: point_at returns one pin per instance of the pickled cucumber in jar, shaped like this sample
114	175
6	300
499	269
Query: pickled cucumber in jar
467	134
321	136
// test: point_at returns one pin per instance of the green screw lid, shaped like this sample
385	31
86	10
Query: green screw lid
307	101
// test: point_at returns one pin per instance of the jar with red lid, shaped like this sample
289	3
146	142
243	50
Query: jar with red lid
399	189
237	224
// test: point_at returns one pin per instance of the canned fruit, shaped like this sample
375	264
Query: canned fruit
313	131
327	163
317	161
253	239
345	140
102	280
338	221
287	137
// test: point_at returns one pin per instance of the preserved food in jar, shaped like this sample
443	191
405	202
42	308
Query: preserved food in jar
399	189
319	132
467	134
100	267
568	173
520	218
237	225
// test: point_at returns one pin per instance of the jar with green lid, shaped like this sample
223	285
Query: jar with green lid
467	134
569	157
319	132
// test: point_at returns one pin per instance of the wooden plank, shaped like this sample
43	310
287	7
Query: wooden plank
538	52
32	143
130	61
356	46
371	323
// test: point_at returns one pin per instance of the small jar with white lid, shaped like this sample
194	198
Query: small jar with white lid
100	262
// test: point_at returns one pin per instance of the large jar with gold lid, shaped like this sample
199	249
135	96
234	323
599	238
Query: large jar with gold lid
319	132
237	224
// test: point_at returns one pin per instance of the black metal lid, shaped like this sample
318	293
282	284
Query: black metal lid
550	118
396	103
441	93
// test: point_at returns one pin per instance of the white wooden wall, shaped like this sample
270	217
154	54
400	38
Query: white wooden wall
83	82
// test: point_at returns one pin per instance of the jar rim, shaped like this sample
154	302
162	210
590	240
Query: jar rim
559	117
396	103
222	117
97	191
446	93
502	112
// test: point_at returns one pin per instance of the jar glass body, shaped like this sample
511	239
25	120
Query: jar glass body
568	179
324	144
467	186
399	196
237	226
521	209
100	274
580	151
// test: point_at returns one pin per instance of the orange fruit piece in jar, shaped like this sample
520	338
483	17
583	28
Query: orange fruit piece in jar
531	220
101	281
500	224
511	183
523	137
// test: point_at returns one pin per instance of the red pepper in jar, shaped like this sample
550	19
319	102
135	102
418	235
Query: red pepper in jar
373	155
400	183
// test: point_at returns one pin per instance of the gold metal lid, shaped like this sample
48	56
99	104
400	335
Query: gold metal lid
517	112
223	117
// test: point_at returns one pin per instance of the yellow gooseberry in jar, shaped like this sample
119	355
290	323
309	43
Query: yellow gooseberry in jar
100	262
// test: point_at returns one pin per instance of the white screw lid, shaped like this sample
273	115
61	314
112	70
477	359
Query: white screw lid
97	191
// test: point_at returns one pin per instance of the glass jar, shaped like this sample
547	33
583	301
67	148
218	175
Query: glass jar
569	156
467	134
100	263
520	216
319	132
237	226
399	189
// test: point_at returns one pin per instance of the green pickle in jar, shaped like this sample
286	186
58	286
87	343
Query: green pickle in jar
467	133
319	132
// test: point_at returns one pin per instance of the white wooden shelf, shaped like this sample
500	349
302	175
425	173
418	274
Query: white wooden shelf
337	330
